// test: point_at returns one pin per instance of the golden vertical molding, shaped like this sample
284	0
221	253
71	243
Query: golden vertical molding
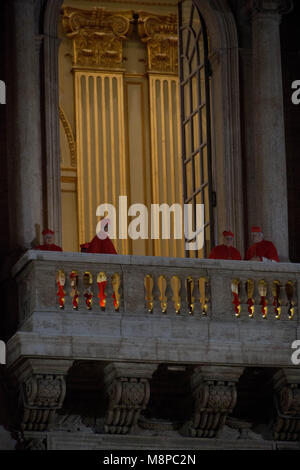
104	135
112	155
179	161
89	158
160	34
172	156
69	135
112	141
97	143
164	154
154	152
97	35
122	146
79	143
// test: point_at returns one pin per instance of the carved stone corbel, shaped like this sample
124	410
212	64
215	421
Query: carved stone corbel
214	395
42	391
286	425
128	389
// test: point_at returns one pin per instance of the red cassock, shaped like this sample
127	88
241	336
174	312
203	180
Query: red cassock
51	247
225	252
100	246
263	249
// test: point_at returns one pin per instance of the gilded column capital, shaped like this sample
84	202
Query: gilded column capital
160	34
97	35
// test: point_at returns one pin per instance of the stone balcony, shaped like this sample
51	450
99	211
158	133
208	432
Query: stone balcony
124	324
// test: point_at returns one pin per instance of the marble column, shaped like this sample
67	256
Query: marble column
270	189
24	127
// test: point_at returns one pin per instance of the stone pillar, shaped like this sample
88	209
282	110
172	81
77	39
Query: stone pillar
214	394
270	190
286	425
42	391
51	102
128	388
24	126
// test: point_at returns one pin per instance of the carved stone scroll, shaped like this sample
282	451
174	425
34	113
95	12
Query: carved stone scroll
128	390
42	391
214	394
286	425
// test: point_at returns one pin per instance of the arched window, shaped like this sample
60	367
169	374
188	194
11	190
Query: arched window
136	121
195	116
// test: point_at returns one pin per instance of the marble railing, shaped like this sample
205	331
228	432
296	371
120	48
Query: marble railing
135	308
87	283
120	318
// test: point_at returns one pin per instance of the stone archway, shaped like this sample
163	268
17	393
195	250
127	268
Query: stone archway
226	145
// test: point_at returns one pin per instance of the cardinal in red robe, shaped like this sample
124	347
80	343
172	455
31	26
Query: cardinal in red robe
261	250
48	245
226	250
101	243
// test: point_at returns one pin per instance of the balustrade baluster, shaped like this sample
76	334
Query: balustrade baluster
176	298
149	285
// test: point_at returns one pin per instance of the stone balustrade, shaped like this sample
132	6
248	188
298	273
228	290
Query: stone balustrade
128	318
159	309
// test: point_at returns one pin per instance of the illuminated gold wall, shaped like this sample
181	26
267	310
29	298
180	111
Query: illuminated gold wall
119	102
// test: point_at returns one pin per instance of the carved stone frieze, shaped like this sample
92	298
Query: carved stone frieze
286	425
214	395
97	35
160	34
128	390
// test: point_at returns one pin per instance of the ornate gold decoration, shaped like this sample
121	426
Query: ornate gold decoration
276	299
204	294
290	289
263	290
250	294
70	136
176	285
235	289
160	34
189	294
148	283
116	281
162	285
97	35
